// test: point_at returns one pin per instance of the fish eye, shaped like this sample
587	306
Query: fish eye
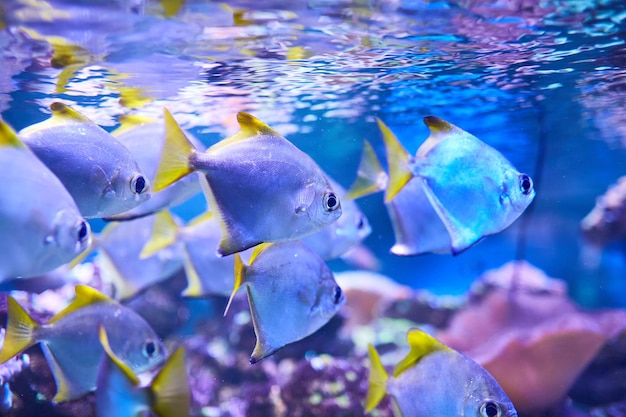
525	184
138	184
490	409
337	295
149	349
82	231
331	202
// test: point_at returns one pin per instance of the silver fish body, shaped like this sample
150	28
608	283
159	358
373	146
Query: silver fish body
97	170
269	189
434	380
40	226
291	292
261	187
70	340
473	188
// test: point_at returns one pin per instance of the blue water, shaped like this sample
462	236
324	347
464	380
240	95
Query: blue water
544	82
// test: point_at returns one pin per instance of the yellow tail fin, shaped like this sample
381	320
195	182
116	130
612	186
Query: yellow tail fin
19	334
398	162
239	272
177	151
377	381
371	176
170	388
164	233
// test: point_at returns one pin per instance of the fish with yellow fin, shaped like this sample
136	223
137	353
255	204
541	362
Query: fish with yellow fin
98	171
41	227
454	192
119	393
144	139
434	380
71	344
260	186
291	293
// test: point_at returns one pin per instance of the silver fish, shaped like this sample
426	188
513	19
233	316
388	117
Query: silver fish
434	380
261	187
339	237
120	256
119	393
70	340
40	225
291	292
97	170
471	188
144	138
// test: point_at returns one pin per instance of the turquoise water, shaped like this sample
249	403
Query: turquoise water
544	82
521	75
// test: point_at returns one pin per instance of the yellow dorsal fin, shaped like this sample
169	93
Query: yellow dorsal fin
251	126
171	7
377	382
85	296
258	249
239	277
104	341
8	137
422	344
177	151
63	112
164	233
204	217
439	130
130	121
370	176
170	388
19	333
397	160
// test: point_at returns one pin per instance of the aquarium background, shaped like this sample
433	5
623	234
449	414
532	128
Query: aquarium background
543	82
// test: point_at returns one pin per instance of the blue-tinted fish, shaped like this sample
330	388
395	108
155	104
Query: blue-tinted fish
207	273
40	226
98	171
342	235
434	380
120	257
119	393
455	183
144	139
70	340
260	186
291	292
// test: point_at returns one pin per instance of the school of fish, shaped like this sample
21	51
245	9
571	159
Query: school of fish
273	220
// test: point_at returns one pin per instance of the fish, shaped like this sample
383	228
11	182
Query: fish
451	170
206	272
434	380
98	171
122	262
144	138
291	294
260	186
41	228
70	341
119	393
339	237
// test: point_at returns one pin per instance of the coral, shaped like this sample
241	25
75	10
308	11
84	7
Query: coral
607	220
